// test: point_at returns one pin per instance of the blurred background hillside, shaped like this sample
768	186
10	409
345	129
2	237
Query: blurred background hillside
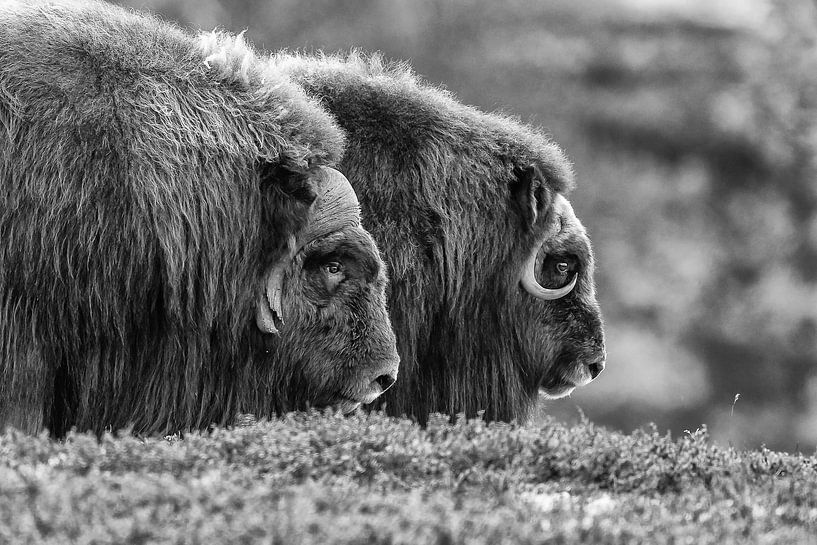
693	128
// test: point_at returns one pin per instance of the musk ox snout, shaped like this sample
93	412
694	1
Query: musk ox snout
595	368
385	376
387	380
572	369
589	365
577	333
381	383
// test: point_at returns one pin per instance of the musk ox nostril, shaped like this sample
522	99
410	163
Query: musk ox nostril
596	368
385	381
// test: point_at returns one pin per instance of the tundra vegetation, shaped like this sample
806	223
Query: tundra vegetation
325	479
174	246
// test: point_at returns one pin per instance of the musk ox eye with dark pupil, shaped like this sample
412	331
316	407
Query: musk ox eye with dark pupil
333	267
562	267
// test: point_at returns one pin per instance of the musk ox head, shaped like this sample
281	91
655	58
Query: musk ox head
492	295
324	303
175	246
558	290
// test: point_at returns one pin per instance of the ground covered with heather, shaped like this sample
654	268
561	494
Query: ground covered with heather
320	478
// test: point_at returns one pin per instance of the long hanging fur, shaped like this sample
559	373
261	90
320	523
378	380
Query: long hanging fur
436	181
138	209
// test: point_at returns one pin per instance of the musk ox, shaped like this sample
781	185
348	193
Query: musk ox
492	293
174	246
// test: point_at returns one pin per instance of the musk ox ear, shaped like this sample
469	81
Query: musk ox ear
286	195
530	194
291	182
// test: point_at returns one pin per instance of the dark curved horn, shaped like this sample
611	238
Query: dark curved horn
529	282
336	206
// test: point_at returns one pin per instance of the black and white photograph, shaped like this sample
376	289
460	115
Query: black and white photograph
408	272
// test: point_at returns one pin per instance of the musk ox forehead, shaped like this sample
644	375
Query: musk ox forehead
567	231
335	207
537	150
352	240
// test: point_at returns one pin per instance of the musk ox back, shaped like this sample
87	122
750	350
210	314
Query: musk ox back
174	248
492	293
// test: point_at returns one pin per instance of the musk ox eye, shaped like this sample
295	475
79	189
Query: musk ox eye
558	270
333	275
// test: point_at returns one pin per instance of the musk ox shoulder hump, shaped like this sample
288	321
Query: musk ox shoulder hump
89	63
426	113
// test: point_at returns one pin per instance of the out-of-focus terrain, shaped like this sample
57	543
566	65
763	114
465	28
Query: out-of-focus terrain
692	127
